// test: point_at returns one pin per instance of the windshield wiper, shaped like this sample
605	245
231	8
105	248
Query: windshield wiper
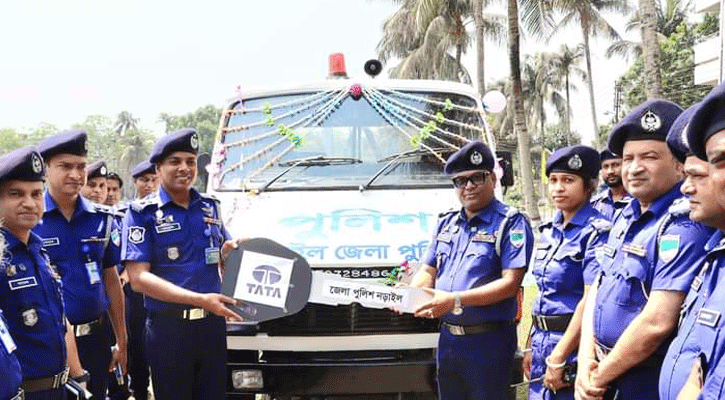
394	159
308	162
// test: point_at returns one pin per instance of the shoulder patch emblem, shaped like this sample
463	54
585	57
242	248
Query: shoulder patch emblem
517	237
136	234
669	246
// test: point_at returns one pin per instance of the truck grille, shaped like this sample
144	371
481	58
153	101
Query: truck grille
320	319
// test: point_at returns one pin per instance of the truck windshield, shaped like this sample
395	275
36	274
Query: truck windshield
328	139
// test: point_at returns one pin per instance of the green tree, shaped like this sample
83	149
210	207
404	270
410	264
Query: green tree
587	13
103	143
204	119
677	67
566	63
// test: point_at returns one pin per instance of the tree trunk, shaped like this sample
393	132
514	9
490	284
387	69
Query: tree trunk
459	50
478	17
567	119
650	48
590	80
527	183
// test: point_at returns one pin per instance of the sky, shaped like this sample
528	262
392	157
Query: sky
62	61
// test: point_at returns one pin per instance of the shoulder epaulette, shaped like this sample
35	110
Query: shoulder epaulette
680	207
104	208
601	224
141	204
209	196
599	196
446	213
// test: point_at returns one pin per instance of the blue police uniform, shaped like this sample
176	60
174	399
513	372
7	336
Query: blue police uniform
31	297
9	364
81	249
468	254
138	364
97	169
700	327
658	249
607	206
186	347
565	259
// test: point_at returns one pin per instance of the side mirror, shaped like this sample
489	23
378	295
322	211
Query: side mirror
505	160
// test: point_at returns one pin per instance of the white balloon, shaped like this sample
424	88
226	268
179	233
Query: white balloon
494	101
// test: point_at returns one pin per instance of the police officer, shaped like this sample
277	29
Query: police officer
145	182
564	266
9	365
114	183
30	289
83	241
95	188
614	197
173	242
647	264
476	261
144	179
704	208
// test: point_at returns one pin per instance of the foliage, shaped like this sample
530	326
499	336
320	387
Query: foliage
677	65
204	119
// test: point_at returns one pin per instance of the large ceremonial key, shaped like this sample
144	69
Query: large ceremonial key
269	280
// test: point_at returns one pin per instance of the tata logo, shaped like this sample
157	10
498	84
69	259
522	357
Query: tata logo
266	276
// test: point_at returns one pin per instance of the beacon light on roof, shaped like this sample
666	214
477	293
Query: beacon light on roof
336	66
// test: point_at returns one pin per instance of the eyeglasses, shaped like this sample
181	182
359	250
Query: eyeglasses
477	179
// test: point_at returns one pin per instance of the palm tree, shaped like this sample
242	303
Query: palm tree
486	24
124	122
651	48
518	109
544	85
565	63
422	34
592	23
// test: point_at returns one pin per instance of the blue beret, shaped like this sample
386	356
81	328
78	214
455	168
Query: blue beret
185	139
67	142
23	164
677	138
707	120
650	120
97	169
143	168
605	155
578	160
474	155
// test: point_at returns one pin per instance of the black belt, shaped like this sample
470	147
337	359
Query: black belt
19	396
551	322
88	328
653	361
190	314
46	383
460	330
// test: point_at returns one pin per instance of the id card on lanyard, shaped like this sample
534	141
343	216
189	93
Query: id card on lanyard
6	339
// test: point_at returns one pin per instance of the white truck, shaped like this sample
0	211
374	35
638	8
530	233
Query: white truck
348	173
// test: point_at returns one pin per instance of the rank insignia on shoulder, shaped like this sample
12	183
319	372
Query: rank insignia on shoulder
517	237
669	246
136	234
708	317
30	317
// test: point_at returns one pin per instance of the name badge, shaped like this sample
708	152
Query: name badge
94	276
211	255
54	241
608	250
22	283
483	237
635	249
5	337
444	237
708	317
168	227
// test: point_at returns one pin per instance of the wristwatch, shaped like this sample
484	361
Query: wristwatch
457	306
84	377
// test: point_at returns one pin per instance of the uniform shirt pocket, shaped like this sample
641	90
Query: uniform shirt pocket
631	286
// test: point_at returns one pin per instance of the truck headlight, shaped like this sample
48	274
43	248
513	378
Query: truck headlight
247	379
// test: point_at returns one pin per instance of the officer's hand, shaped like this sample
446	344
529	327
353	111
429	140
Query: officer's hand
554	379
123	277
693	386
119	356
583	389
526	364
228	245
216	303
441	303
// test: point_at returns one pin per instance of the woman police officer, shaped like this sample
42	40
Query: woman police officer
564	266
